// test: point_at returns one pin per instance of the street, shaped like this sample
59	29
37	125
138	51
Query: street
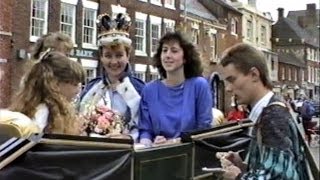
316	149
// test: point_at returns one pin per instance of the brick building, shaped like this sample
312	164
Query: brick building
205	32
6	18
229	32
298	49
256	28
33	18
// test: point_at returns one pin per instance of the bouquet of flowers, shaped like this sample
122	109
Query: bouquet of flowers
104	121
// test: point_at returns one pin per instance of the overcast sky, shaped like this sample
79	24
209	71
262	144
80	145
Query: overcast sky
272	6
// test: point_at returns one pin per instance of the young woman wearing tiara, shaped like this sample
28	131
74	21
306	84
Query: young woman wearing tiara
116	89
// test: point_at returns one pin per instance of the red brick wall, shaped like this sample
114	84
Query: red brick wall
5	51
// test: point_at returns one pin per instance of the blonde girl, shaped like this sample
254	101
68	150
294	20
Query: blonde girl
46	96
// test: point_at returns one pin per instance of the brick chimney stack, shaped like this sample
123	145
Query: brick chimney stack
311	18
311	9
280	13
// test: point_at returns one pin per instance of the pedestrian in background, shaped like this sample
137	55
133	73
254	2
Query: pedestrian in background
276	151
179	101
237	113
306	112
55	41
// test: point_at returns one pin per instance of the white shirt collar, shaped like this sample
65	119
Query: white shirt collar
258	107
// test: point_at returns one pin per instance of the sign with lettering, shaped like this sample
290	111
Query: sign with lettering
83	53
3	60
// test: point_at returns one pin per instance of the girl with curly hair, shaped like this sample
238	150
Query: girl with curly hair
49	87
181	100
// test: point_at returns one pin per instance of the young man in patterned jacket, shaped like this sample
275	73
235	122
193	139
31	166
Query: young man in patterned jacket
275	151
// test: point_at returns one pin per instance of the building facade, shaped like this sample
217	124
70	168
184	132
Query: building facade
229	33
257	27
204	30
299	48
77	18
6	32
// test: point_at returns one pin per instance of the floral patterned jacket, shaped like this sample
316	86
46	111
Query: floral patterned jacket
276	150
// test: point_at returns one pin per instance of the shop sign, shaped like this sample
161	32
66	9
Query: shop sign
83	53
3	60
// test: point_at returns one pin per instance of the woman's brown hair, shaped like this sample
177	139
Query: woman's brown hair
192	65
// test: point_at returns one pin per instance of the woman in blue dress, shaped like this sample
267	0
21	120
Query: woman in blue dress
181	100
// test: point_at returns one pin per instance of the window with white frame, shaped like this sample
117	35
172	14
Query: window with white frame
68	19
272	65
169	3
140	75
39	19
90	67
140	37
140	71
155	32
308	53
311	54
154	76
312	74
283	71
309	74
89	34
249	30
233	26
213	45
195	33
156	2
169	25
91	73
316	75
289	74
153	73
263	34
116	9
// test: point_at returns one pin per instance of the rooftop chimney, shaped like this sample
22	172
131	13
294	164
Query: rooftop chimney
280	13
311	9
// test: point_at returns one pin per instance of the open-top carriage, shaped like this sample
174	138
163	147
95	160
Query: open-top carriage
45	156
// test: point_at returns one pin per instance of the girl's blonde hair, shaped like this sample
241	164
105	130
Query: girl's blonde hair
53	40
41	86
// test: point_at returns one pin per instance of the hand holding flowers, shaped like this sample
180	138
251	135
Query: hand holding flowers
104	121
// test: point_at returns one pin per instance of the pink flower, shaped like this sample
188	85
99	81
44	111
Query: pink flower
108	115
103	120
103	123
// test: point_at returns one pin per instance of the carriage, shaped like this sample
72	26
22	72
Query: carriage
50	156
